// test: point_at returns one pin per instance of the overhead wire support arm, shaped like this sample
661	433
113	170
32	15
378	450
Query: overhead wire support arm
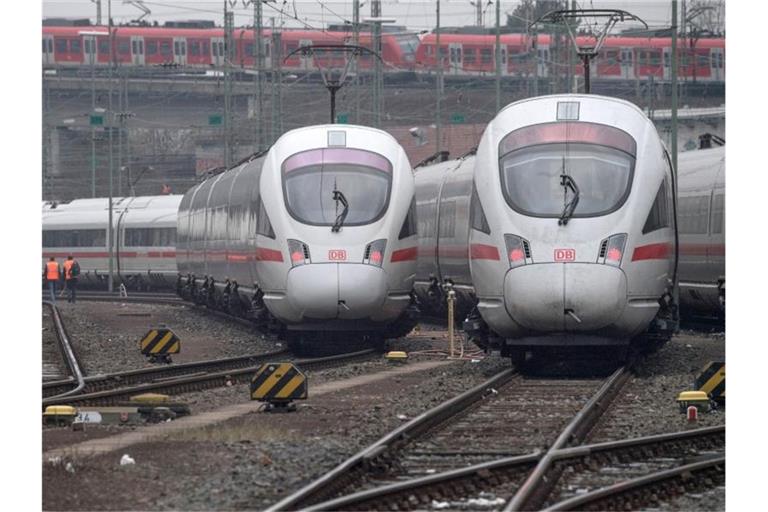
332	81
571	18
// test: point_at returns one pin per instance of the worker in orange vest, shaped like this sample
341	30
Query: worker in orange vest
52	273
71	273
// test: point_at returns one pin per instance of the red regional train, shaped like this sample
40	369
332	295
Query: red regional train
152	46
621	58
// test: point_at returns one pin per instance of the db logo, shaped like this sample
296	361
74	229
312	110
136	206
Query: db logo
565	255
337	255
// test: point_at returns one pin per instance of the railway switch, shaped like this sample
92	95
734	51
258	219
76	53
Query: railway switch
158	344
279	384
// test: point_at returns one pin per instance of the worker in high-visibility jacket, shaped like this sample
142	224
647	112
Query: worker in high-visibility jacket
52	274
71	273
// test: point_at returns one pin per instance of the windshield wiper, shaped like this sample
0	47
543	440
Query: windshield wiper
338	195
568	182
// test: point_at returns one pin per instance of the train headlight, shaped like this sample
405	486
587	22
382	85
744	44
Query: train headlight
299	252
374	253
518	251
612	250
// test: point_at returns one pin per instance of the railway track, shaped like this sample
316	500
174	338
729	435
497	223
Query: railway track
141	297
76	381
414	467
473	430
205	376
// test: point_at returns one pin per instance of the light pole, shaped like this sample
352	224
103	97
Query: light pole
111	231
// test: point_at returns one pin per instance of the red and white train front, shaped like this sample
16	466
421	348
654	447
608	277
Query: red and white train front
573	236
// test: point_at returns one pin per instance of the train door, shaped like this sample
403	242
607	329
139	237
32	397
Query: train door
667	58
89	50
454	55
716	64
217	51
305	61
137	50
48	49
627	63
180	50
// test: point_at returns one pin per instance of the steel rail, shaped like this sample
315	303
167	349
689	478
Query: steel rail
686	471
132	376
67	351
418	425
484	471
195	382
575	430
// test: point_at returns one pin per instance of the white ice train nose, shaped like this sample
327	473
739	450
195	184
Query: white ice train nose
346	291
557	297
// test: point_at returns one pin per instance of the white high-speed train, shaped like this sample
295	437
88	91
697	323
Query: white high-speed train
317	235
144	232
559	232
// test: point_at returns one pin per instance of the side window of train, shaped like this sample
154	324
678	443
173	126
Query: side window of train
718	213
658	217
693	213
409	225
447	228
263	226
477	217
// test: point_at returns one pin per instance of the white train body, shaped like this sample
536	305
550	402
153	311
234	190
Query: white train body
701	215
270	226
144	245
538	277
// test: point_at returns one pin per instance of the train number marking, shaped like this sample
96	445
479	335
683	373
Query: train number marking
565	255
337	255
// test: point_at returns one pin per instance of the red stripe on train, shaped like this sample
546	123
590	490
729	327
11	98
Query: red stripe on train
407	254
484	252
652	252
263	254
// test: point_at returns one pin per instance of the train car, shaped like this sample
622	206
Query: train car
144	248
559	233
318	235
204	47
702	232
474	54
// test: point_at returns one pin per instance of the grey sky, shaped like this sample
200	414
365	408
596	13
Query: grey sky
416	14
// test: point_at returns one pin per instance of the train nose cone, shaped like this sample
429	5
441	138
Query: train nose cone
556	297
336	290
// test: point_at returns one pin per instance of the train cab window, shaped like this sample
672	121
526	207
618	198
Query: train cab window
600	160
165	48
477	218
312	178
263	225
659	216
409	224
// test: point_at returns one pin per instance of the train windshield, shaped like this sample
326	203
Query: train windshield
538	165
315	180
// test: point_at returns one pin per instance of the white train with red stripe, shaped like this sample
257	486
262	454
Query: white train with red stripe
144	238
317	235
559	232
